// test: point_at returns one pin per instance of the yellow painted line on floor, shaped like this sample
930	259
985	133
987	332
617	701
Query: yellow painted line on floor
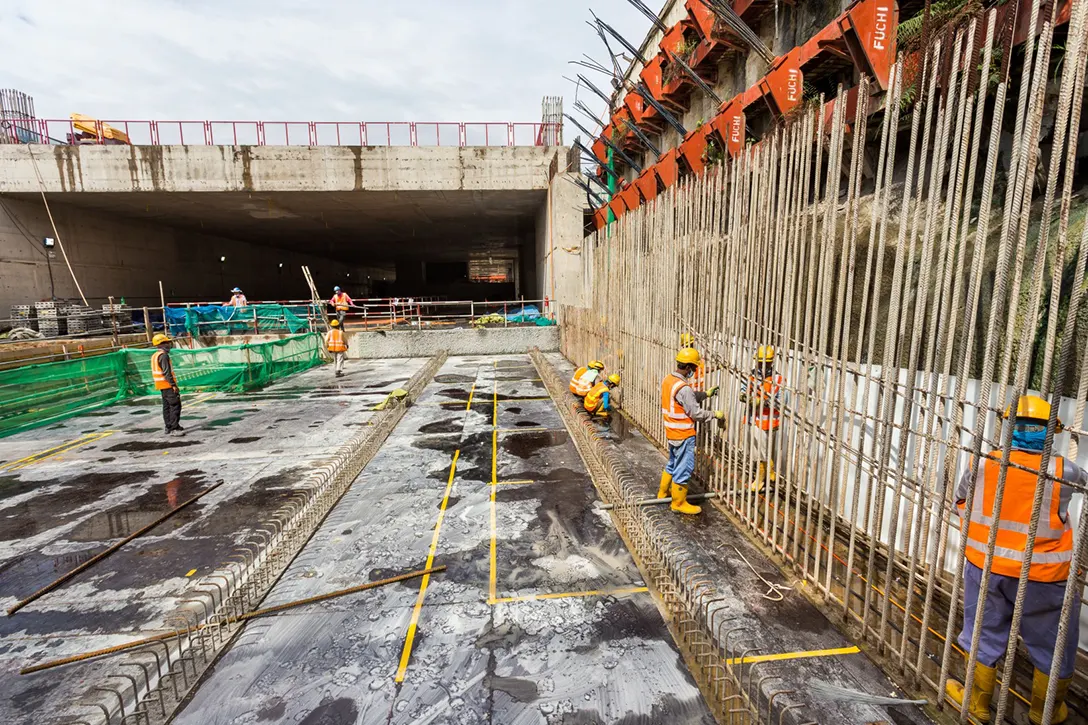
539	429
406	653
493	578
571	595
524	400
471	392
514	483
794	655
190	572
56	450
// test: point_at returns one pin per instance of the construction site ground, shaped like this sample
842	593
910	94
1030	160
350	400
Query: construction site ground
541	616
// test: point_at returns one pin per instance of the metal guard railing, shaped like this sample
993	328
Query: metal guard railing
281	133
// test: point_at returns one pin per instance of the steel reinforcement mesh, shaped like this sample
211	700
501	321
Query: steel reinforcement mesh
913	289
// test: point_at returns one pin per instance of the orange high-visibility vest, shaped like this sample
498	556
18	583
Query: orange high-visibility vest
767	415
157	373
341	301
678	425
1053	551
583	380
334	340
593	397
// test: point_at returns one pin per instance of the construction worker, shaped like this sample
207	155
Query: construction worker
680	409
598	401
341	302
162	374
337	346
586	377
763	398
237	299
1052	555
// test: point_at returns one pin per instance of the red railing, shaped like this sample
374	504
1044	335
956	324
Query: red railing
285	133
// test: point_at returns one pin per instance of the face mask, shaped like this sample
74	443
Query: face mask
1028	439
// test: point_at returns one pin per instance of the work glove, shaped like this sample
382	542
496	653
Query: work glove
719	414
743	397
712	392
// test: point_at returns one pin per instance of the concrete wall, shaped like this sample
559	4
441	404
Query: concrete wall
272	168
558	255
493	341
126	258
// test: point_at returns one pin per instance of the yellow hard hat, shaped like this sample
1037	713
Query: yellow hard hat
614	379
687	340
1031	407
334	323
159	339
689	356
765	353
596	365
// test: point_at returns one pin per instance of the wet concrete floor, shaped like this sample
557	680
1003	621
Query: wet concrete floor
810	646
541	616
70	490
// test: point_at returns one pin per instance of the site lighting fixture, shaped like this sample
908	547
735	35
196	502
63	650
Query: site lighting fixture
49	242
222	259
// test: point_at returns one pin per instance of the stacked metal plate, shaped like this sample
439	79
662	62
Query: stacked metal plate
48	323
79	318
112	314
23	316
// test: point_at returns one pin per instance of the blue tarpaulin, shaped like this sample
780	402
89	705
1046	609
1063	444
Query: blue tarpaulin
225	319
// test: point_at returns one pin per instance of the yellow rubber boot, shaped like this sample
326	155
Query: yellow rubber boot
758	485
680	501
1039	683
666	481
982	691
771	475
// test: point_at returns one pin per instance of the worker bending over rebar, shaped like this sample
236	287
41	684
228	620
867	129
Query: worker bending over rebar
598	401
1048	573
586	377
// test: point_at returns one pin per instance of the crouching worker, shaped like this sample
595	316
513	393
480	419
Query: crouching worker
598	401
1048	573
680	409
585	378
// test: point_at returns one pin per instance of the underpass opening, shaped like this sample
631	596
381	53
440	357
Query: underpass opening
459	244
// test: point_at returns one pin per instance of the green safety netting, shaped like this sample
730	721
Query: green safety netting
227	320
37	395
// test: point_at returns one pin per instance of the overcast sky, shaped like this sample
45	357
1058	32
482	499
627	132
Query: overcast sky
430	60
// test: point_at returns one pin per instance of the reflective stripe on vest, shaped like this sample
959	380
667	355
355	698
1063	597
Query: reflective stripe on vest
593	397
678	425
583	380
157	373
766	415
334	340
1053	550
341	302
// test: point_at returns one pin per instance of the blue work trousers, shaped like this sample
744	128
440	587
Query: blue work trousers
681	461
1038	626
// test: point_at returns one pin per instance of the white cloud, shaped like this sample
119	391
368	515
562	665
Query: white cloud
336	60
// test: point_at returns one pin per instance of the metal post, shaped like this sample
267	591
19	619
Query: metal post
147	324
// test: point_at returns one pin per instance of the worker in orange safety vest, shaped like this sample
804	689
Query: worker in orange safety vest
598	401
680	410
586	377
337	345
162	375
764	399
341	302
1048	572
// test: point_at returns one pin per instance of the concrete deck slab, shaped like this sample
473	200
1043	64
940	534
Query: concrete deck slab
56	511
474	657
